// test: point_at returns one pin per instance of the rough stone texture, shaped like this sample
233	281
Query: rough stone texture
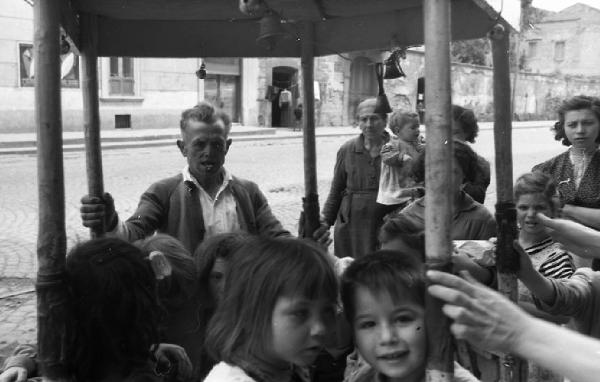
578	26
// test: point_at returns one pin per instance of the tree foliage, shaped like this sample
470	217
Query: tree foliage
476	51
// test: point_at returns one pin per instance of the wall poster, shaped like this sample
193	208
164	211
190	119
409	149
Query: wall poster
69	68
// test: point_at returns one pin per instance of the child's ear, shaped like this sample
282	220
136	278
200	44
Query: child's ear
160	265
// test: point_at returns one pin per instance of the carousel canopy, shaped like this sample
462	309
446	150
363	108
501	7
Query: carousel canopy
217	28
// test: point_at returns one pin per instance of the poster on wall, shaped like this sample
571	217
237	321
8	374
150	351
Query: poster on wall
69	68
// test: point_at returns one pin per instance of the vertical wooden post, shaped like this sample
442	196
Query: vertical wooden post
310	201
51	245
91	111
507	259
438	180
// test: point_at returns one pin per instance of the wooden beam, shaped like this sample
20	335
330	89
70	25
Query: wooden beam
311	192
438	180
70	24
51	246
91	110
195	38
507	260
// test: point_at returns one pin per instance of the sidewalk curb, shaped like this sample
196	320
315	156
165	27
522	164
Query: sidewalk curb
28	147
126	144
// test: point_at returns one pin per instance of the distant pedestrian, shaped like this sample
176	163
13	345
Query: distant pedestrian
298	116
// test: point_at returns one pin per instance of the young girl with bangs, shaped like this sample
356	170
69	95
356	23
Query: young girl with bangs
277	312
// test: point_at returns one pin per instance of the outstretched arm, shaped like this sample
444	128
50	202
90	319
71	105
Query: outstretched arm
487	319
584	215
576	238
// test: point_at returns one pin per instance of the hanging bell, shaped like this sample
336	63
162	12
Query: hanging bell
271	31
392	68
382	105
201	73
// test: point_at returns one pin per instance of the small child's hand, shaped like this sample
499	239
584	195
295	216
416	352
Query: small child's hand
463	262
170	354
14	374
525	265
406	158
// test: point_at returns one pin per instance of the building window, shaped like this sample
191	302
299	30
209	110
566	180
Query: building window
223	91
533	46
559	50
121	76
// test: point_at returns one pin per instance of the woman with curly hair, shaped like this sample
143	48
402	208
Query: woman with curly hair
465	129
576	172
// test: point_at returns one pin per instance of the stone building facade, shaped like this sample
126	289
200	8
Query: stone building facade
565	42
150	93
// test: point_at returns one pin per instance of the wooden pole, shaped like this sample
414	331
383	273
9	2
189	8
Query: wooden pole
51	245
512	368
91	111
310	201
438	180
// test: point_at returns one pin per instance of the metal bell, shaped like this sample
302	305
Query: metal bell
201	73
392	68
382	105
271	31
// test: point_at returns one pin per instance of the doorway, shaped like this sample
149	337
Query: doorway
284	78
363	84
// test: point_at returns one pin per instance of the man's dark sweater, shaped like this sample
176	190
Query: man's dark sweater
172	206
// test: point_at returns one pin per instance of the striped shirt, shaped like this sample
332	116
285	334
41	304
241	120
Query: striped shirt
551	260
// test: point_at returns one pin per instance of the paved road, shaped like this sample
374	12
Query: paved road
275	165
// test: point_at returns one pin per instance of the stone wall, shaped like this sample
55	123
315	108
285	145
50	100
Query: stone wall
536	95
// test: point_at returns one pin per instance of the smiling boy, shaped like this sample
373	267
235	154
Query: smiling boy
384	300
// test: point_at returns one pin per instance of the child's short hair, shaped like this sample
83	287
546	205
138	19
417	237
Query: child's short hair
467	120
464	155
182	285
536	182
262	271
399	275
114	306
399	119
401	227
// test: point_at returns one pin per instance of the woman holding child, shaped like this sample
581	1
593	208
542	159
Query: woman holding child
351	201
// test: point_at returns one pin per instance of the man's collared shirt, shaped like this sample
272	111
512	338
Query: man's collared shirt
220	214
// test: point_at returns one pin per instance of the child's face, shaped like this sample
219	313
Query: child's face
390	335
408	132
298	328
216	280
528	207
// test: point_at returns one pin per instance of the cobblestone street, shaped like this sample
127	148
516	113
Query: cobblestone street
276	166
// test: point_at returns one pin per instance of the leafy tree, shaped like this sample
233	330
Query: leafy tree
476	51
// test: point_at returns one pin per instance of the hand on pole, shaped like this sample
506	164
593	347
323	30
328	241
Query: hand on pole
14	374
96	212
481	315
